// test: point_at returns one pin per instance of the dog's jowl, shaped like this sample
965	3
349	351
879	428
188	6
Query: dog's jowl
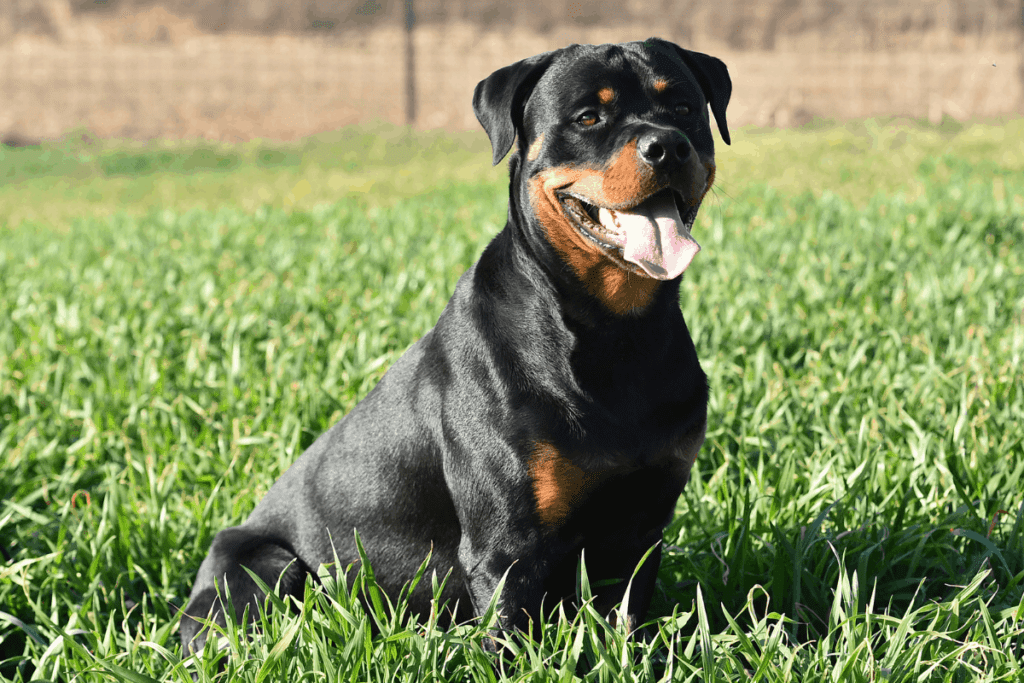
558	405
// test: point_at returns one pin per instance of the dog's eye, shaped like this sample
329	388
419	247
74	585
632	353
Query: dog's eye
587	118
682	109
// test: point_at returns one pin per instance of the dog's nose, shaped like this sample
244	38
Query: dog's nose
664	150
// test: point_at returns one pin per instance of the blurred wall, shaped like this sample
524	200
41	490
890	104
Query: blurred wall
286	68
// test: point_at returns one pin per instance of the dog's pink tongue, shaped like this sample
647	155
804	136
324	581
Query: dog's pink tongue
653	236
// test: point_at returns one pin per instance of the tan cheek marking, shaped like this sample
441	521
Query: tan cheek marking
558	484
626	178
605	95
575	249
535	148
660	85
618	290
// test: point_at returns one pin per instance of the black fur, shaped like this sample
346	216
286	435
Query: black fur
443	455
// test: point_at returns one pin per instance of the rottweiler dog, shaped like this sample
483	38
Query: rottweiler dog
558	404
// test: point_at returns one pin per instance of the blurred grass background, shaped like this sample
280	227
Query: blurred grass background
79	176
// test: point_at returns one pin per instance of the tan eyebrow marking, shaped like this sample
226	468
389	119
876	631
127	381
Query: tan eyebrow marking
534	151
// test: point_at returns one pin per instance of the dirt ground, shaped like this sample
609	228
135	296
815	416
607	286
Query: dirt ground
149	73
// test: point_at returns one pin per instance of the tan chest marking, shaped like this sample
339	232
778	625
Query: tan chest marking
559	485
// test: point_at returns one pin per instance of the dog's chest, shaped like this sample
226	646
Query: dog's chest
563	482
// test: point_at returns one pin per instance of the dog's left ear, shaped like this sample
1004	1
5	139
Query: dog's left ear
500	98
713	77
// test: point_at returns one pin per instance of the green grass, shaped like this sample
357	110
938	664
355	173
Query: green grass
857	512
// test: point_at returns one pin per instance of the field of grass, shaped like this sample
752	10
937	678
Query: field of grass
178	322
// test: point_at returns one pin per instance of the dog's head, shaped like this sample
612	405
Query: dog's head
614	156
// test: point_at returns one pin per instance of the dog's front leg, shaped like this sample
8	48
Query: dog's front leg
516	565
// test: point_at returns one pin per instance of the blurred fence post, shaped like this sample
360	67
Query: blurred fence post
1020	57
410	65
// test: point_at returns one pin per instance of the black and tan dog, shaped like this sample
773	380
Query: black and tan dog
558	405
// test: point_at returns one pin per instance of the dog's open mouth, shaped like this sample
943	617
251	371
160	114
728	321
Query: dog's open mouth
651	238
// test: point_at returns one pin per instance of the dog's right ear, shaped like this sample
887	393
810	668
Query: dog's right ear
500	98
